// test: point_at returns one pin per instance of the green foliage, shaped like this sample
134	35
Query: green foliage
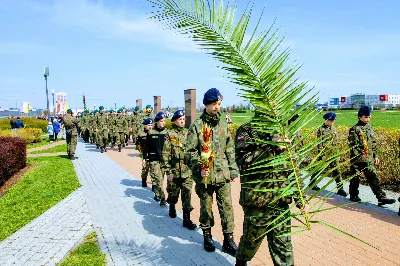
168	124
44	141
87	254
59	148
52	180
266	79
30	135
29	122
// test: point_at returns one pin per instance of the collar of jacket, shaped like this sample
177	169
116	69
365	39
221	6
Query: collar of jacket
176	128
361	123
213	120
158	129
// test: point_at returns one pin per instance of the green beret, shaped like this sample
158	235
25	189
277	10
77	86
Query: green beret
149	106
101	107
69	111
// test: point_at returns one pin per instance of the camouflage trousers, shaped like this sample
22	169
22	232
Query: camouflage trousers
224	202
371	176
86	135
120	138
102	138
71	140
255	228
145	170
178	185
93	136
157	179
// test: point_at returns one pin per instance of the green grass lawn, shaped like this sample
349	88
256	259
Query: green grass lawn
383	119
45	141
59	148
87	254
51	180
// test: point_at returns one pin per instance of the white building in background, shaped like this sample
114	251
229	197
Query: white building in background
393	99
372	100
61	102
345	102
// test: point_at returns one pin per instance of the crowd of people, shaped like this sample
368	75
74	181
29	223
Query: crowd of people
207	156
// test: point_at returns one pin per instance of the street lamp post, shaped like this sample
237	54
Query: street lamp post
94	107
115	106
54	107
46	74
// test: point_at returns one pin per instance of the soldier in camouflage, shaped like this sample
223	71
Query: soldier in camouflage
112	135
136	122
85	126
102	129
155	144
215	179
148	112
364	157
327	132
71	132
141	146
261	207
178	174
119	127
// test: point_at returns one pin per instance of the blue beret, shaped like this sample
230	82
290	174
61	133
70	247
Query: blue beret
147	121
364	110
329	116
212	95
178	114
160	116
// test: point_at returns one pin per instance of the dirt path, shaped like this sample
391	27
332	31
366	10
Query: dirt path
45	147
47	154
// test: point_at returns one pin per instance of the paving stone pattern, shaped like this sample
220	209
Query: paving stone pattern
50	237
132	228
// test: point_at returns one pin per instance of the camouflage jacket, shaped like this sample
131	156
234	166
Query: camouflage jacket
119	124
101	122
136	123
248	153
141	144
155	143
174	153
329	137
223	167
85	122
70	124
362	142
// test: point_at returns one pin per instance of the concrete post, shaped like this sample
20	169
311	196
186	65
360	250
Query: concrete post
190	106
139	103
157	104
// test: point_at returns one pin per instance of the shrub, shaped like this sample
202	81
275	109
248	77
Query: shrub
30	135
12	157
28	123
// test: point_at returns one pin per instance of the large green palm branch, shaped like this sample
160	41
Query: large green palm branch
266	78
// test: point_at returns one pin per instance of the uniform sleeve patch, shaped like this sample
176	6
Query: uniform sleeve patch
241	138
189	132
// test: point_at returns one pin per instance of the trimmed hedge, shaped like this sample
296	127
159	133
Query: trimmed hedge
12	157
30	135
28	123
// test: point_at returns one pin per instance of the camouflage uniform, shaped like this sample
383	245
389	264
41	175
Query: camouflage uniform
260	207
329	138
137	120
155	144
357	150
119	127
102	125
222	171
85	127
112	133
141	141
173	163
70	124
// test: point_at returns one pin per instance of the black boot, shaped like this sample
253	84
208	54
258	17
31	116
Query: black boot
355	198
101	149
157	198
241	262
119	148
97	146
385	201
229	245
341	192
144	182
208	241
105	149
172	211
126	144
163	202
187	222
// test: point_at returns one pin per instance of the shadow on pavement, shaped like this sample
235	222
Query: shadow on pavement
178	245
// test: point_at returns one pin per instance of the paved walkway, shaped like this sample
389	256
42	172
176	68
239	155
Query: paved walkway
132	228
50	237
48	146
321	246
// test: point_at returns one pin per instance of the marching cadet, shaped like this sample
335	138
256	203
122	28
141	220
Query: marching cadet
211	156
112	134
119	127
178	174
149	111
141	146
101	123
155	144
94	132
136	122
85	126
71	132
364	157
329	137
260	207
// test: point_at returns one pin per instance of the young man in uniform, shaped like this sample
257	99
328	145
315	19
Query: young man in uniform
155	144
141	146
210	153
149	111
364	157
178	173
329	137
101	123
260	207
71	132
120	125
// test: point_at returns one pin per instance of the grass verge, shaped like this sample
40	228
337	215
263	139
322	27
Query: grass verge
45	141
52	180
60	148
87	254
